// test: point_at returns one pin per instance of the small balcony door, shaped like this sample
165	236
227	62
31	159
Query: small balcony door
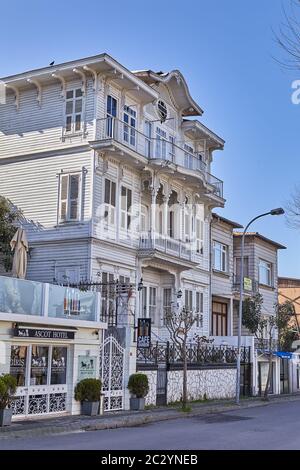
129	126
111	114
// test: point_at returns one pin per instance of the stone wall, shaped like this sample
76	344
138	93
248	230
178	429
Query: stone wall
202	383
152	378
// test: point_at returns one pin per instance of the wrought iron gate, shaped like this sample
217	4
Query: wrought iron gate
112	373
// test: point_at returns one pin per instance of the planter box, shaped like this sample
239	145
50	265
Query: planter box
137	404
90	408
5	417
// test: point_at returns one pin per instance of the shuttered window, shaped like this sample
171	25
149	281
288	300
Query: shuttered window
70	197
109	202
126	203
74	110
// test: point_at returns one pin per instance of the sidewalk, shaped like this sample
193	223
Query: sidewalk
68	424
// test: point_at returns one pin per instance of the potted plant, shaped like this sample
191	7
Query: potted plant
138	386
88	392
8	387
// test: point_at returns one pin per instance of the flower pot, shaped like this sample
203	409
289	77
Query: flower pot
137	404
90	408
5	417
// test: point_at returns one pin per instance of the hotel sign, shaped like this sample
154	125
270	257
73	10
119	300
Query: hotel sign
42	334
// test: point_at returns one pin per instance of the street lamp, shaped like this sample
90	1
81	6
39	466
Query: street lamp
278	211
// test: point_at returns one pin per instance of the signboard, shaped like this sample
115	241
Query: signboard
86	367
247	284
42	334
284	355
144	333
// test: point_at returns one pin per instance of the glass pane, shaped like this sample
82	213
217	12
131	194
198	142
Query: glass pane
69	107
74	210
18	355
39	365
78	106
69	124
77	122
78	92
69	94
59	365
20	296
66	302
113	194
107	191
74	186
64	187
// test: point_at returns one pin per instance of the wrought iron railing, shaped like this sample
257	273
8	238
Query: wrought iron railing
197	354
111	128
250	285
149	241
264	344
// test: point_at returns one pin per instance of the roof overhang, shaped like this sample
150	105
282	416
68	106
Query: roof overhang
278	246
177	87
195	130
102	64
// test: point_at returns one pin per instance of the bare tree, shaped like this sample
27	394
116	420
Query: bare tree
179	323
287	36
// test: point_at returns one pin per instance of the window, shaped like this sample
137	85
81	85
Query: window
199	235
238	267
152	304
111	113
219	319
171	148
74	108
59	365
126	203
162	110
167	302
70	197
265	273
129	132
109	202
39	365
220	256
171	226
188	299
161	143
18	357
188	157
187	223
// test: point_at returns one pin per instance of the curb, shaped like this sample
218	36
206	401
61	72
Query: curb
138	420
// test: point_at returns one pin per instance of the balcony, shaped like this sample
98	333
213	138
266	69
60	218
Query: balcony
111	131
157	245
250	285
50	302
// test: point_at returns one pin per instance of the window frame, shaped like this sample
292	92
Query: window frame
223	316
109	208
223	251
269	269
73	115
127	213
68	200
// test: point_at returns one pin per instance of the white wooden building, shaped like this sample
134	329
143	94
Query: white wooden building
113	172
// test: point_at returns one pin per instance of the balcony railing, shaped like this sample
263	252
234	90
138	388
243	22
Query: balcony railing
149	241
250	285
111	128
23	297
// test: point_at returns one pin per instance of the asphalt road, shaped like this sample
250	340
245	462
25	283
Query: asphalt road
276	426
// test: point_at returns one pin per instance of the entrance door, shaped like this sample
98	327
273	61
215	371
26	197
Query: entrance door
284	375
41	373
112	373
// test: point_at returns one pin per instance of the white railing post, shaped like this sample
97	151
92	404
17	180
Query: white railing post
45	306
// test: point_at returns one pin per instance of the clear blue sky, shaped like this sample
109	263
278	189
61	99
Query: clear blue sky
224	49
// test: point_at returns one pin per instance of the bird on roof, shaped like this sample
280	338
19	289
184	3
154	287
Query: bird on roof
52	63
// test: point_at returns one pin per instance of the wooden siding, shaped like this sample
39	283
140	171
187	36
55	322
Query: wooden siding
222	283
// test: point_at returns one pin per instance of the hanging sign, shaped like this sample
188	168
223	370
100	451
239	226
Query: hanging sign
247	284
144	333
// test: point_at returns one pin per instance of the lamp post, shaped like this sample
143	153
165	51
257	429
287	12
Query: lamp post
278	211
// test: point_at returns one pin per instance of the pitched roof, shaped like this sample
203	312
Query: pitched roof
261	237
226	221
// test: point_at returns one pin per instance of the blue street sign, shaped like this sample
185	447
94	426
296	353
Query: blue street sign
284	355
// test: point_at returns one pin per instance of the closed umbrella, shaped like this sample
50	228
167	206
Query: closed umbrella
19	244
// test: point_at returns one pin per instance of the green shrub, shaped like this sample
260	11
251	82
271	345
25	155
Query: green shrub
8	387
88	390
138	385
